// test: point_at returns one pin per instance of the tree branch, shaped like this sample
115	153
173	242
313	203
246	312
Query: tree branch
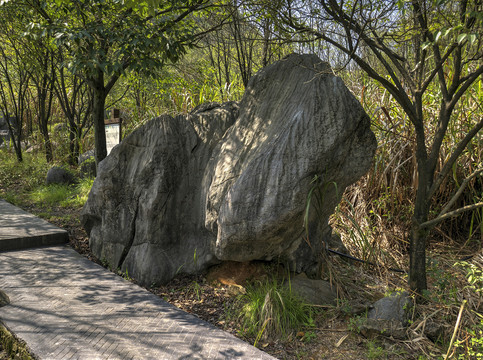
437	220
460	191
454	156
466	81
437	67
399	94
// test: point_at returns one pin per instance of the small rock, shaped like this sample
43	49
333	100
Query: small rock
388	316
395	307
434	331
316	292
60	127
4	299
58	175
358	307
87	155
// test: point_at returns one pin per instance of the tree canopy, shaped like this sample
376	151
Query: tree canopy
104	39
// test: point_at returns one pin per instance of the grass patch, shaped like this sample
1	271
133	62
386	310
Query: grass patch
24	183
23	176
50	195
62	195
270	309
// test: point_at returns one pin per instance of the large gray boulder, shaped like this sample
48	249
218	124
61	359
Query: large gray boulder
296	120
230	182
145	211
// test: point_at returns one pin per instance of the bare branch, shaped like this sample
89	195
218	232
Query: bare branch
466	83
454	156
460	191
396	91
437	220
437	67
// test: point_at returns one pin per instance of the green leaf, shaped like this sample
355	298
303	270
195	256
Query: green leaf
447	32
426	45
438	36
472	38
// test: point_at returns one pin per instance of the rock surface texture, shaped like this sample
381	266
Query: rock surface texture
389	316
230	181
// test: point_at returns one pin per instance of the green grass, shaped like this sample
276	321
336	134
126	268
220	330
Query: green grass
63	195
23	176
270	309
24	183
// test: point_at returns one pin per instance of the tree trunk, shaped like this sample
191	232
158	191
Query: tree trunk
417	259
15	136
73	142
49	152
417	247
99	100
43	123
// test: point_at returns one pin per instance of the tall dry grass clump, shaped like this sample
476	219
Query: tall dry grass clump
374	216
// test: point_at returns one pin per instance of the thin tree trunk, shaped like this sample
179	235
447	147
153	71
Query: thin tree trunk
49	151
73	143
99	100
417	257
43	116
418	238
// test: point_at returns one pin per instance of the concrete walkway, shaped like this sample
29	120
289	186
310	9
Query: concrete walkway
67	307
21	230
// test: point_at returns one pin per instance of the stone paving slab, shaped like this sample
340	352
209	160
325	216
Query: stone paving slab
67	307
21	230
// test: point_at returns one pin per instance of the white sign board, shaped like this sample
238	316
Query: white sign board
112	136
4	132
